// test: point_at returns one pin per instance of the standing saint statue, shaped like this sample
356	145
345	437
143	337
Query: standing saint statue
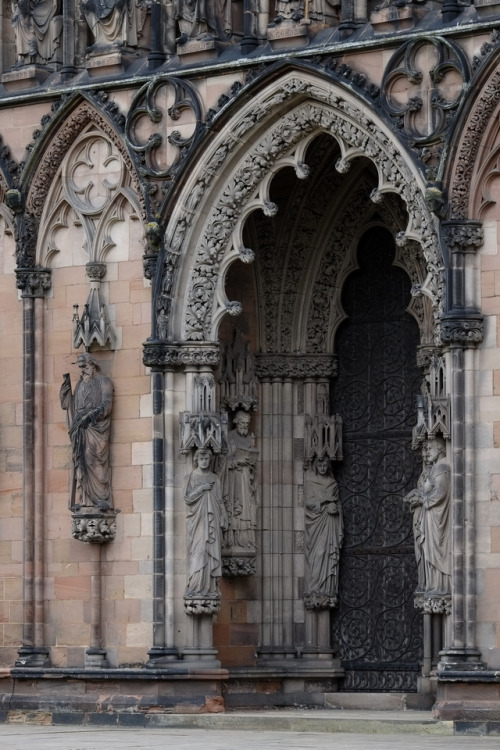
112	22
240	486
203	19
323	536
37	28
89	426
430	505
206	518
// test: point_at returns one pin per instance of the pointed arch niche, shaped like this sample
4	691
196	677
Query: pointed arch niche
267	230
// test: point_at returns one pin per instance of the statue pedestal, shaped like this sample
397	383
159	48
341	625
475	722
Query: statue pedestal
25	77
485	8
287	34
107	63
394	18
197	50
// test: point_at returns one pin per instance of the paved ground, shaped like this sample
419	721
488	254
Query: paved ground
13	737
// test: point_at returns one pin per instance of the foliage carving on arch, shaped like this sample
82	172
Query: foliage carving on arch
319	111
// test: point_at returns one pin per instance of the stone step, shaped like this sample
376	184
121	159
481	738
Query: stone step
311	720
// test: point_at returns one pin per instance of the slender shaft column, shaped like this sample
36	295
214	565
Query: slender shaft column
34	283
157	55
95	656
68	38
160	652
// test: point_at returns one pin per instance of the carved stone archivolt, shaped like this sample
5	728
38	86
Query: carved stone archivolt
468	149
356	135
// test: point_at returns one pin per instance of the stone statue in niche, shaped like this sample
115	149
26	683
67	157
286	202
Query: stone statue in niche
240	487
89	426
323	535
203	19
205	521
289	10
430	505
37	28
113	22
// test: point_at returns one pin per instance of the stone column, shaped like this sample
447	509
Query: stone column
461	331
33	282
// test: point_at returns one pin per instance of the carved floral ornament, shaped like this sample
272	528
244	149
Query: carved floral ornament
284	143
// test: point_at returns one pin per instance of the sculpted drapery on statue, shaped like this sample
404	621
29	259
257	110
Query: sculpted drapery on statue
112	22
89	425
430	505
240	487
205	520
323	535
201	19
37	28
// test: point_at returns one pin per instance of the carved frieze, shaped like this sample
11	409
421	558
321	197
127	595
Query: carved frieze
295	366
169	356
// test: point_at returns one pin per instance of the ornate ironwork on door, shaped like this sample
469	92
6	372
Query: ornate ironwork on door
375	627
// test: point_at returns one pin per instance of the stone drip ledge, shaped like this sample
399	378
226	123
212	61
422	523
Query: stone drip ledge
81	673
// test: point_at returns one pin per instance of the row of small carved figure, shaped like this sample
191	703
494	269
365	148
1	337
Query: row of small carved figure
38	24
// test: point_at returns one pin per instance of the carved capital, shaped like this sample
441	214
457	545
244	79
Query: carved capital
157	354
95	271
465	330
463	236
238	566
94	528
438	604
314	602
33	282
296	366
206	605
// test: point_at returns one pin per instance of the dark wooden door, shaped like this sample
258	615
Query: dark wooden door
375	626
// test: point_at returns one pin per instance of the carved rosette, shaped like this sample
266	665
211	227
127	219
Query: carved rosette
462	331
169	356
198	605
232	567
94	528
33	282
433	605
291	366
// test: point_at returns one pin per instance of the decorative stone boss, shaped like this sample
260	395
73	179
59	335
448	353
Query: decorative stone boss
88	411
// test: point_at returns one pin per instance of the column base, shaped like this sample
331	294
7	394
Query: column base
161	657
95	658
31	656
460	660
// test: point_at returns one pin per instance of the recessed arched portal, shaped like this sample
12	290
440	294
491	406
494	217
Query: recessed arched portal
328	280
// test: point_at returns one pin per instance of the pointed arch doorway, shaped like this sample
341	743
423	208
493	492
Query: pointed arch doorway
376	629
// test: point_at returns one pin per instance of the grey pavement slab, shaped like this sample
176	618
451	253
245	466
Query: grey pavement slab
24	737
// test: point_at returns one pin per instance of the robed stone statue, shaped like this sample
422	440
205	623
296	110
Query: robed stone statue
323	535
89	425
205	520
430	505
37	28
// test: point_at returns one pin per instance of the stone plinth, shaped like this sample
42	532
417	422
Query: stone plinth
26	77
287	34
394	19
485	8
107	63
197	50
